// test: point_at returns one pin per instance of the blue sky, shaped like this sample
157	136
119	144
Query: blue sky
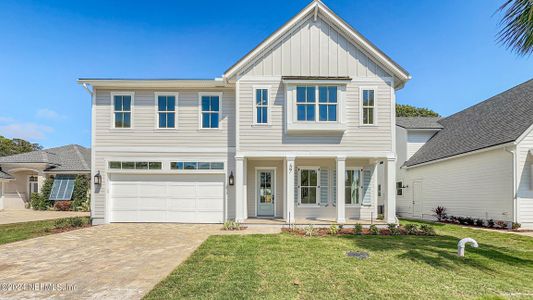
448	46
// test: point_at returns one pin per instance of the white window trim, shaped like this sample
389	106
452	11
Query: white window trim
200	95
360	187
317	104
156	95
269	106
375	114
113	94
28	188
274	202
317	203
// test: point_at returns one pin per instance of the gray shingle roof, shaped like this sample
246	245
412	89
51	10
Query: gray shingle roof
65	158
495	121
4	175
419	122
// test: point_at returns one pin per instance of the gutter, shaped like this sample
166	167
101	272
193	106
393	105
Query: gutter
515	189
86	87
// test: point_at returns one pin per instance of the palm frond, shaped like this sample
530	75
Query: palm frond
517	26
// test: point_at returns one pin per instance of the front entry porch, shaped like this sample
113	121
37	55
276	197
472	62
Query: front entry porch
313	190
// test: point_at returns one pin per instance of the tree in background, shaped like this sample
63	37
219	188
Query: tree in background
16	146
517	26
405	110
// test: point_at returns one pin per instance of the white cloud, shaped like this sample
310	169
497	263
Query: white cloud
27	131
49	114
6	120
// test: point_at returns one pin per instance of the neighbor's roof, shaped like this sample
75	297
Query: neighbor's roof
65	158
419	122
496	121
4	175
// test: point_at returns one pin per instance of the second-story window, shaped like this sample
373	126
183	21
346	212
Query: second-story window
368	108
210	111
261	106
166	111
122	111
305	103
327	103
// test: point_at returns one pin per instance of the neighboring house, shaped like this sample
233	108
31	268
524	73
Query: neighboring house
294	130
24	174
477	162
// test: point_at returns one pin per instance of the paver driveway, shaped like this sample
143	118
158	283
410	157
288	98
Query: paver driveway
117	261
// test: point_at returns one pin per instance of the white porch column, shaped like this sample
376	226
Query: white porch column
341	174
290	168
390	199
240	205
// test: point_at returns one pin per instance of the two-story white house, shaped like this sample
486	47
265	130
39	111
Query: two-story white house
293	131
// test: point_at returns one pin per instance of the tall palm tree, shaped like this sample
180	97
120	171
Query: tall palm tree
517	26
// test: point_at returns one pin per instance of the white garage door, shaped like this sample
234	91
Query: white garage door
167	198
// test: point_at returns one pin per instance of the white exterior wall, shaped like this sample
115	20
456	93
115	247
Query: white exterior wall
476	185
416	139
144	142
525	182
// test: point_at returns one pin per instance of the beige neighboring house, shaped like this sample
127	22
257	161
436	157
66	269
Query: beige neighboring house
293	131
476	163
24	174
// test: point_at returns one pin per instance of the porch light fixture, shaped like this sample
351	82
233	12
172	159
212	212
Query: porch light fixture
97	178
231	179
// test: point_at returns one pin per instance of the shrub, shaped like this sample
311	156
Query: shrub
80	195
462	220
232	225
309	230
333	229
62	205
502	224
37	202
490	223
469	221
411	229
454	220
72	222
479	222
373	229
358	229
440	213
516	226
393	229
47	188
427	229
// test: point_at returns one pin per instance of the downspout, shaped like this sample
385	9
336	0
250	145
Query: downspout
513	153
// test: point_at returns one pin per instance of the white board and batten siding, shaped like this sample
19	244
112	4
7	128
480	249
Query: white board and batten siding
477	185
525	182
315	48
145	142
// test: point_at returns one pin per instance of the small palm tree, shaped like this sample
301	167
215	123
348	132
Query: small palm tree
517	22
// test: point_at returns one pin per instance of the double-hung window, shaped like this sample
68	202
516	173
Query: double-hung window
309	186
307	104
261	106
122	111
166	110
368	107
327	103
210	105
351	186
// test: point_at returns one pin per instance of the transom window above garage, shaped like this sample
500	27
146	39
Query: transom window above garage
196	165
135	165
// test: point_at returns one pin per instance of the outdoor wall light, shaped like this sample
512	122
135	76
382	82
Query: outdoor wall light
97	178
231	179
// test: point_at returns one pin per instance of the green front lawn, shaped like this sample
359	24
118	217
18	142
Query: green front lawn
417	267
21	231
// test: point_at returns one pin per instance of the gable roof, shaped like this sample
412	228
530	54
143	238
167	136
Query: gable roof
317	6
419	122
65	158
496	121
